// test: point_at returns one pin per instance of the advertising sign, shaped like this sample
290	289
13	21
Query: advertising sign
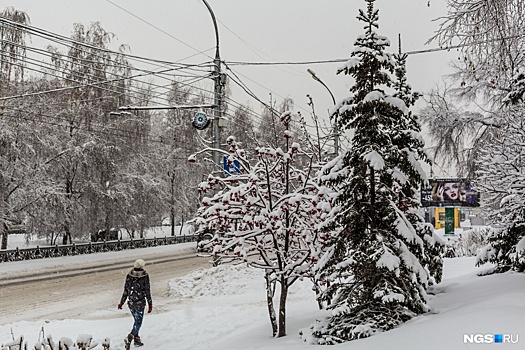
449	193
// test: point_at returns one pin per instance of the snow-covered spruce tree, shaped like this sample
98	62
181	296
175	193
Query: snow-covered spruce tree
501	180
375	262
407	138
267	216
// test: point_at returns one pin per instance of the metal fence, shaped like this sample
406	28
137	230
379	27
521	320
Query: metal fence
91	247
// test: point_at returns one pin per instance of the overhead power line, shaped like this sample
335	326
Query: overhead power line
50	69
339	60
46	34
162	31
96	83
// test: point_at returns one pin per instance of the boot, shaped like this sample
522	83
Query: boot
137	341
129	338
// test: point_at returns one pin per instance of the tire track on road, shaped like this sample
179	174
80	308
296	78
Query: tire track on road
76	271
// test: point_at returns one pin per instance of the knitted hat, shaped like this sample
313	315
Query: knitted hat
139	263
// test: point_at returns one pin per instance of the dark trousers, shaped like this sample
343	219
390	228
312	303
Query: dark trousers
138	315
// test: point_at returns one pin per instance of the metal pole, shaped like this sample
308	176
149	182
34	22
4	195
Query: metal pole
218	91
336	126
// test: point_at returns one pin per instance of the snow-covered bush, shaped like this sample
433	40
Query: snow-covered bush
16	344
84	342
469	243
505	248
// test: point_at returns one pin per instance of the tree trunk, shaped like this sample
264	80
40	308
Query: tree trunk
172	204
3	225
67	233
270	288
172	220
372	197
181	223
67	223
282	307
4	237
317	290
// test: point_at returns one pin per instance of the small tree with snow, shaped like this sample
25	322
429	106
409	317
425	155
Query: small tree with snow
377	263
267	216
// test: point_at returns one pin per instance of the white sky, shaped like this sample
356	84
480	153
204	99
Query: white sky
224	309
270	30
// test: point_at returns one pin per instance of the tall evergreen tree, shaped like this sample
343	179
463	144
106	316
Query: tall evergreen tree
375	264
407	138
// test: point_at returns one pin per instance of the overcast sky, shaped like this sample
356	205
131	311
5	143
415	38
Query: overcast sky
257	31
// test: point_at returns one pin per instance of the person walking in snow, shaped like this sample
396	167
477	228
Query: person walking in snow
137	292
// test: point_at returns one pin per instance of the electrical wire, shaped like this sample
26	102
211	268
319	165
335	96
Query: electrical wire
62	89
62	40
161	74
48	70
339	60
116	93
106	131
243	86
49	35
162	31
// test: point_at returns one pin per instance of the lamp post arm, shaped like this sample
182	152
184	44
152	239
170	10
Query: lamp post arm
217	91
336	126
316	78
333	98
217	56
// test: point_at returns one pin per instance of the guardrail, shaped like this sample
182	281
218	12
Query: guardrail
91	247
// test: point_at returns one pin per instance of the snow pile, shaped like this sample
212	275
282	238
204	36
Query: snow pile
223	280
227	281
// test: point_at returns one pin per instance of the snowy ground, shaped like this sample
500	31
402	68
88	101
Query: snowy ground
224	308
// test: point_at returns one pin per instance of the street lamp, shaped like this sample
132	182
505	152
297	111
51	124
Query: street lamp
217	90
336	127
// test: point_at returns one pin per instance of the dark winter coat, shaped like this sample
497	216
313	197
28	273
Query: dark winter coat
136	289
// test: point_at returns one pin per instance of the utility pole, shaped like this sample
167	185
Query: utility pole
217	104
217	115
336	126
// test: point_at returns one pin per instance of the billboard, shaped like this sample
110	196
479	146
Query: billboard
449	193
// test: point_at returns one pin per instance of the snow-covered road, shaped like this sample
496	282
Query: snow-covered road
85	288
